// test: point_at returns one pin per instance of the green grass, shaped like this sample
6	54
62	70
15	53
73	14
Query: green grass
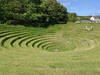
66	49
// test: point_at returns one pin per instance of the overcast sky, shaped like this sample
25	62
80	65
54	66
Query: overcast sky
82	7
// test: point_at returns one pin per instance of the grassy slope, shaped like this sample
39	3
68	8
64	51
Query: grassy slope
75	51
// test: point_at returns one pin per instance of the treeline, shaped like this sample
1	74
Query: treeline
37	13
83	17
73	17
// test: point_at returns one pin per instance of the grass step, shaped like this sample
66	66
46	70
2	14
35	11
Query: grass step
32	40
37	41
9	37
19	37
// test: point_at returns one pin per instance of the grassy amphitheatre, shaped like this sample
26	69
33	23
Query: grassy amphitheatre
58	50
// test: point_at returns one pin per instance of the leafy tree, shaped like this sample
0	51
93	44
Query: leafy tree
56	12
72	17
32	12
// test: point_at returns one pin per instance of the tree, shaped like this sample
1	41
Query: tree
56	12
13	9
32	12
72	17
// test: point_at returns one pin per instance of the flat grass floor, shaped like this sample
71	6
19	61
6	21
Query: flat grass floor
67	49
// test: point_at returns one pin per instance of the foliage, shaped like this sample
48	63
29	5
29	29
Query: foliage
72	17
83	17
33	12
56	12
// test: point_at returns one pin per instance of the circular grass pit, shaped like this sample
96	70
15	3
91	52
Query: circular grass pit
19	38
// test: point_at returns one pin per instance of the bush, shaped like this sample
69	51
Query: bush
13	22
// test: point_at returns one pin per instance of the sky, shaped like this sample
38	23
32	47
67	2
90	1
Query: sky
82	7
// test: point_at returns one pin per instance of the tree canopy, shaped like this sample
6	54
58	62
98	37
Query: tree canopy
72	17
32	12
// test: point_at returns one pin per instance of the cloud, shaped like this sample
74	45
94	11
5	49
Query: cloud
66	4
74	0
67	0
73	8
